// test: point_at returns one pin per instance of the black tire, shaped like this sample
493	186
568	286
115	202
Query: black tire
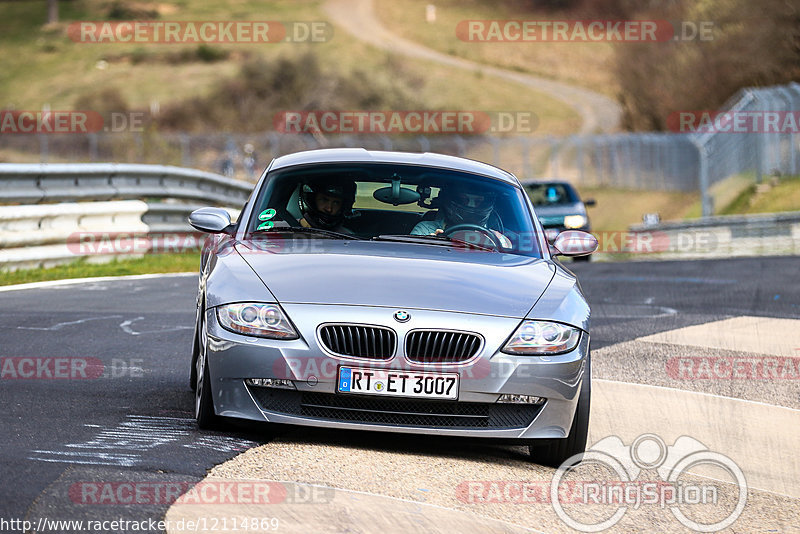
195	347
554	452
204	413
193	370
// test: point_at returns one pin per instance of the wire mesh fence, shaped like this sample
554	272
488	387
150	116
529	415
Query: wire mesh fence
699	153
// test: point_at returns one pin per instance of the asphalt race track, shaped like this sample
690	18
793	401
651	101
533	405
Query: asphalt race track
107	400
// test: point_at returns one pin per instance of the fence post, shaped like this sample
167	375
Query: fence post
43	148
554	153
92	146
186	155
526	158
705	198
495	142
579	158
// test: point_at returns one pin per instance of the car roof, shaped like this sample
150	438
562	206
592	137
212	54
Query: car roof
360	155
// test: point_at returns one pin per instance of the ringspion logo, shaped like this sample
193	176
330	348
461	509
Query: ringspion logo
614	471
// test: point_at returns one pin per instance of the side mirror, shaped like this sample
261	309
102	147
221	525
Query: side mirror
590	202
211	220
575	243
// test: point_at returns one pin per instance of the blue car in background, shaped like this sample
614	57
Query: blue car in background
558	207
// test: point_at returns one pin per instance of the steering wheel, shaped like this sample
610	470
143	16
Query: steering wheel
477	228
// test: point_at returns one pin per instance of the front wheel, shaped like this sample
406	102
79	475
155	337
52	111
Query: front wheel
203	400
554	452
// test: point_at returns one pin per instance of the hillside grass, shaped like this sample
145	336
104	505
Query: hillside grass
588	65
42	66
618	209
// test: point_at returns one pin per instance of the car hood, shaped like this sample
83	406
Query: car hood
401	275
558	212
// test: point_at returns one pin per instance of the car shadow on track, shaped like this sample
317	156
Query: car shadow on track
471	449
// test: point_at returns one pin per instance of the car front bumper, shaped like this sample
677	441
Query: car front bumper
234	358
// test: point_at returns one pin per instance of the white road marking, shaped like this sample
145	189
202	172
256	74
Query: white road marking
93	458
137	436
126	327
759	335
746	431
631	311
59	326
73	281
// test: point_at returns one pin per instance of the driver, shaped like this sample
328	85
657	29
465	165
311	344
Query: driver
461	206
326	204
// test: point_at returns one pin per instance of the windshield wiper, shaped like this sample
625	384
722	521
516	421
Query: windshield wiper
282	227
431	240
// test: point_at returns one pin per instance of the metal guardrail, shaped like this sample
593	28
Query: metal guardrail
45	235
63	203
726	236
639	160
73	182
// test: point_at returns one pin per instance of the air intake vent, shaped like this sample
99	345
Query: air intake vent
359	341
437	346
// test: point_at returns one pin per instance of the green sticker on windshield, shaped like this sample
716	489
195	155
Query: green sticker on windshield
267	214
265	225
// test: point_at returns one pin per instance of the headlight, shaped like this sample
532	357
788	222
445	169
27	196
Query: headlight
541	338
261	320
575	221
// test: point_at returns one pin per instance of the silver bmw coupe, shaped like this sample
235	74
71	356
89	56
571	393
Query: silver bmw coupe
394	292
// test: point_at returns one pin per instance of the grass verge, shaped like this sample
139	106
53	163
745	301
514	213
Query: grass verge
774	195
82	268
617	209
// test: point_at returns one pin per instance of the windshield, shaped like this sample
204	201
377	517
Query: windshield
382	201
551	194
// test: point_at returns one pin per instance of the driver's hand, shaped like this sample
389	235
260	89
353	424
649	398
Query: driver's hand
506	242
438	231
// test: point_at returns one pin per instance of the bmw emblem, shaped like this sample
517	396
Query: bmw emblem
402	316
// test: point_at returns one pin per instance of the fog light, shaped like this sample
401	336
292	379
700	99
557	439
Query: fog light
510	398
270	383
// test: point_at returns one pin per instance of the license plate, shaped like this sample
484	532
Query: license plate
398	383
